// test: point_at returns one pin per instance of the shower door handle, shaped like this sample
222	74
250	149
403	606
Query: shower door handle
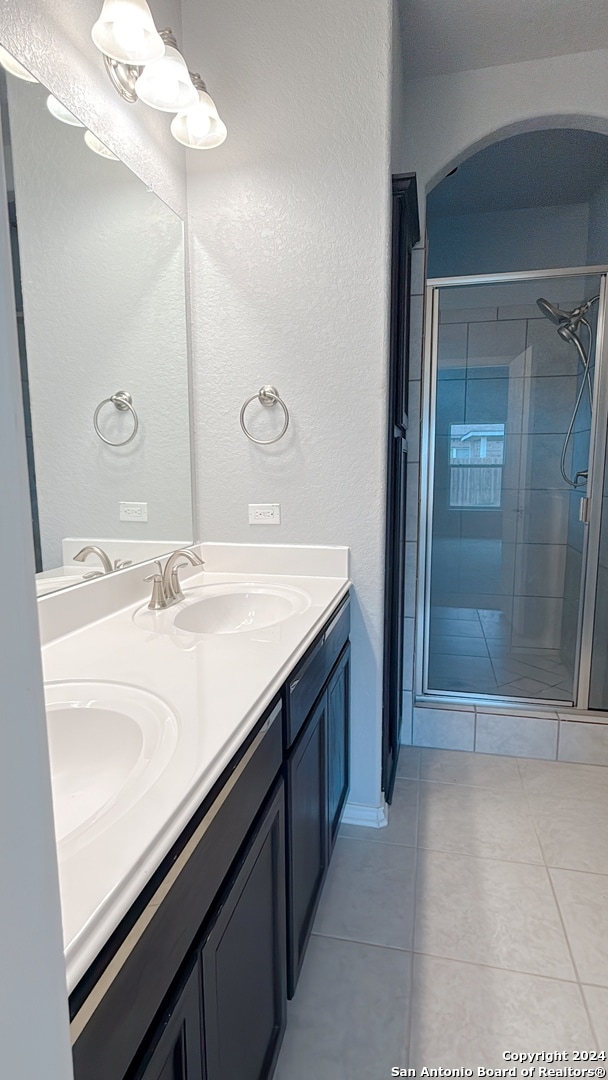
583	510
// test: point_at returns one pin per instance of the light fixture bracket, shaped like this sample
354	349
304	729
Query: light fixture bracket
197	81
123	77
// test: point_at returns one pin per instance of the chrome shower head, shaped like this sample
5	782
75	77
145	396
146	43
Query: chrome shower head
551	312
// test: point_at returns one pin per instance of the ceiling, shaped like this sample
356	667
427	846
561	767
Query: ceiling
538	168
441	36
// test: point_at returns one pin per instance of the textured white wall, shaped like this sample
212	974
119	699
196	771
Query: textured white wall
289	228
398	100
103	284
449	117
54	42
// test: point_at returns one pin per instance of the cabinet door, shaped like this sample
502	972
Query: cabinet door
306	836
243	960
338	709
175	1051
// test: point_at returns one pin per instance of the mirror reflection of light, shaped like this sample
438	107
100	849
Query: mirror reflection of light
98	147
13	66
60	112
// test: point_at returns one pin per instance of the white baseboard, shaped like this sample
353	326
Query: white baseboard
372	817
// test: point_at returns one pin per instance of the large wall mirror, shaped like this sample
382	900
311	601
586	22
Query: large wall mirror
98	263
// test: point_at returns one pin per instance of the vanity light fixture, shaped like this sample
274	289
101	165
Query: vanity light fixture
161	81
199	127
13	66
98	147
60	112
165	84
125	32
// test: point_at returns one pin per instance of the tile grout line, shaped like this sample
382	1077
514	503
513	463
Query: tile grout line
559	731
574	964
453	960
560	915
494	967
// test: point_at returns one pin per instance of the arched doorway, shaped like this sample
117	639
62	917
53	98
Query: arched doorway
516	416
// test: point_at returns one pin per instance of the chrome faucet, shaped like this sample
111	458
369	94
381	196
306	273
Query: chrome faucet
92	549
171	585
166	589
101	555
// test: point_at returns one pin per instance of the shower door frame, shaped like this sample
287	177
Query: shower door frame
594	491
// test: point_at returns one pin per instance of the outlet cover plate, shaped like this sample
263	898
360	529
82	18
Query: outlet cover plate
264	513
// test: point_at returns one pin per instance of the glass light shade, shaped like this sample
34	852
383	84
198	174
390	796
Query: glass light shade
125	31
13	66
165	84
98	147
60	112
200	128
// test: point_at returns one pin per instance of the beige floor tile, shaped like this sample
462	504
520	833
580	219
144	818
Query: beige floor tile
348	1018
402	818
477	821
489	912
583	901
465	1015
476	770
597	1004
573	833
369	894
408	766
563	779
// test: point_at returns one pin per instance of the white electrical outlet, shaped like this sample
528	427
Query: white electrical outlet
264	513
132	511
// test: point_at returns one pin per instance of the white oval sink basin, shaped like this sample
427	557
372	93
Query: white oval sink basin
238	608
108	743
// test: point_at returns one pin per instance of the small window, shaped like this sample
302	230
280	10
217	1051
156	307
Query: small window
477	453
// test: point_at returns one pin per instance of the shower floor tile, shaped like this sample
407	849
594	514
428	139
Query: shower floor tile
470	652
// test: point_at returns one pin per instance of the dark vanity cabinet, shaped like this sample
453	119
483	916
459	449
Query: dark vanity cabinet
227	1017
243	960
316	777
193	984
338	736
175	1052
307	850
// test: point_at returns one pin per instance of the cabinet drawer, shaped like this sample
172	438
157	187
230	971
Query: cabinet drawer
113	1020
309	677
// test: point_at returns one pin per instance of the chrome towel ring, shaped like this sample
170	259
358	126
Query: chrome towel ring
123	401
267	396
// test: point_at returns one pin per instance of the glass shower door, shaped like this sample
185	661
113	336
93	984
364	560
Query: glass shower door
506	546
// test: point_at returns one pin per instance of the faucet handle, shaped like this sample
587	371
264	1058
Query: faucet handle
120	564
158	600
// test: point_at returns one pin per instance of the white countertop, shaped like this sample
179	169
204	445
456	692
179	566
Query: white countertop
216	686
